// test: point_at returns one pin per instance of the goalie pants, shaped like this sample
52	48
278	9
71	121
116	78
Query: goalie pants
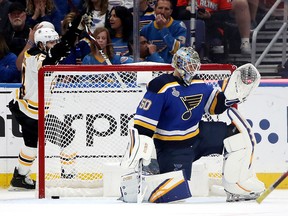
209	141
29	125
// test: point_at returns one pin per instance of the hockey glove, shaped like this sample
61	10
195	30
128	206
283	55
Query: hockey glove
56	53
75	28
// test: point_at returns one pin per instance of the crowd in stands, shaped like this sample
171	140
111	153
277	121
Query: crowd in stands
164	28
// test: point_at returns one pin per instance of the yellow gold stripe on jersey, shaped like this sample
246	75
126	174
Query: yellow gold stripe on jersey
167	86
145	125
175	47
30	106
212	102
165	188
224	84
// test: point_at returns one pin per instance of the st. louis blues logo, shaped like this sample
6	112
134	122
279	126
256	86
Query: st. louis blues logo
190	102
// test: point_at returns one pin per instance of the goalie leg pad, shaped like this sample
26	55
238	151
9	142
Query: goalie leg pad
162	188
238	174
167	187
128	187
139	147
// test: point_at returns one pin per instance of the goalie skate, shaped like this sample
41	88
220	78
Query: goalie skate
237	197
21	182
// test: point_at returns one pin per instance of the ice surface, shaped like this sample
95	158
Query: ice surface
25	203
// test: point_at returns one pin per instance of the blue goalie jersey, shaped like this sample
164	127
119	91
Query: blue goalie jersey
170	112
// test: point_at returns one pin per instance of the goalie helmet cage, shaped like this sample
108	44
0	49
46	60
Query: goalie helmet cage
84	115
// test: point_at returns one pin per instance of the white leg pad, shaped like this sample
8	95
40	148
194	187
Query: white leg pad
238	174
160	188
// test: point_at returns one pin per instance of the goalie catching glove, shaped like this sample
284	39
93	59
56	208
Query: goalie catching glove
241	83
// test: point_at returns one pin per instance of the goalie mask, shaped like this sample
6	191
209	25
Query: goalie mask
187	62
44	35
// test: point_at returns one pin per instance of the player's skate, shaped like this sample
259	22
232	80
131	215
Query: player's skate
21	182
244	191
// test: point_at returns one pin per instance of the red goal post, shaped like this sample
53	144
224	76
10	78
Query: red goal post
71	101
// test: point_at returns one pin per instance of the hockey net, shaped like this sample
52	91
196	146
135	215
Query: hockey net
84	116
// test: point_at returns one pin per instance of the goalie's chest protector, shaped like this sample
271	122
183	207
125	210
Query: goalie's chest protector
183	105
175	109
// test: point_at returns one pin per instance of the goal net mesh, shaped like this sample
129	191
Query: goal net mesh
84	116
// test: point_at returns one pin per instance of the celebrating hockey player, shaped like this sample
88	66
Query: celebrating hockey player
49	50
169	118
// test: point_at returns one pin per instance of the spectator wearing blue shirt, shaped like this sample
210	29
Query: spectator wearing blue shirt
43	10
65	7
146	13
8	69
148	51
81	47
165	32
121	29
95	57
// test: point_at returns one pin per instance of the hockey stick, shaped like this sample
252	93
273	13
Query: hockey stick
108	62
93	40
271	188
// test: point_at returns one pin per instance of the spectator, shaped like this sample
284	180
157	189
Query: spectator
165	32
215	16
17	30
148	51
146	13
121	29
103	39
25	105
43	10
82	46
8	69
114	3
4	8
181	9
245	13
128	3
98	12
152	3
66	7
23	2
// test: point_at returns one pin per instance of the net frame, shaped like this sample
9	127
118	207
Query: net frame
205	69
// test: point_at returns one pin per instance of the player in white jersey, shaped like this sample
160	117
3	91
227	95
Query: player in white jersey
49	50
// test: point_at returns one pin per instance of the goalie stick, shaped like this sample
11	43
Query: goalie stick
272	187
140	191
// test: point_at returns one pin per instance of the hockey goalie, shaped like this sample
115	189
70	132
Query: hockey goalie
169	120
